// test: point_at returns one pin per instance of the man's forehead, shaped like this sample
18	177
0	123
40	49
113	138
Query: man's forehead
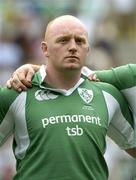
66	25
67	29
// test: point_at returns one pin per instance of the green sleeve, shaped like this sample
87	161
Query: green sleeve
7	98
122	77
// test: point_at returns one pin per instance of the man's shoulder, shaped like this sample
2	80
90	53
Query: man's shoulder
4	91
104	87
101	85
7	95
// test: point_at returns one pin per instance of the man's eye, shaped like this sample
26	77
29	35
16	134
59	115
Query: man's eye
79	41
63	40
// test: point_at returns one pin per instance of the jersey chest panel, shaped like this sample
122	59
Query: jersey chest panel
55	116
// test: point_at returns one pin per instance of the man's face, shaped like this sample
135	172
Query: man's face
66	45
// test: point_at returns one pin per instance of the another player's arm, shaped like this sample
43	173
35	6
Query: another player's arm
121	77
21	78
6	114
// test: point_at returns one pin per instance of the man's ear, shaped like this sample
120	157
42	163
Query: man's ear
89	49
44	48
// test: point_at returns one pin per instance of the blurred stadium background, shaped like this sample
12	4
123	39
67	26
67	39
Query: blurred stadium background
112	32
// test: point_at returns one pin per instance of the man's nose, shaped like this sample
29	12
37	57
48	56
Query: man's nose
72	45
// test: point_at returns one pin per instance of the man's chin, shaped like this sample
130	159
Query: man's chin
72	67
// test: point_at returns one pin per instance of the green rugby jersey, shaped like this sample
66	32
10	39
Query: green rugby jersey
59	134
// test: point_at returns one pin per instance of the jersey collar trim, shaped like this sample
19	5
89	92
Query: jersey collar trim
40	76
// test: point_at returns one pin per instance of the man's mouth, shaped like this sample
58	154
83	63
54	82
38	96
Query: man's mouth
72	57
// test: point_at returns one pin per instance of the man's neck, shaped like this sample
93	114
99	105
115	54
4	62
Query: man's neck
62	79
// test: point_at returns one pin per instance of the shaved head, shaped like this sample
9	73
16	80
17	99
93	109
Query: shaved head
66	44
63	21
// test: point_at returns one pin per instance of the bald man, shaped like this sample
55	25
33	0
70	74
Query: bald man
60	124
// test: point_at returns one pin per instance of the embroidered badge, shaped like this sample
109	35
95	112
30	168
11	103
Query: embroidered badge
42	95
85	94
